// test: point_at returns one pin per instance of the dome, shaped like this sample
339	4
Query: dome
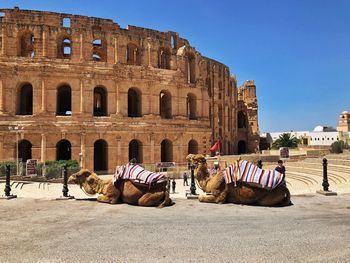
318	129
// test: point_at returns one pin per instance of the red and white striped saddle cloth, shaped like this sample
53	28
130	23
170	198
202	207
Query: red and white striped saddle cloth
249	173
138	174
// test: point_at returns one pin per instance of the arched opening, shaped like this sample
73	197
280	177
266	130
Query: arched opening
191	106
26	45
25	100
100	101
99	50
133	54
166	154
190	68
100	155
209	89
192	147
64	101
24	150
64	48
164	58
135	151
242	147
134	103
165	105
220	117
63	150
66	22
242	120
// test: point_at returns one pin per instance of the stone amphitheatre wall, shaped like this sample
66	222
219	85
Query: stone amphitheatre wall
74	86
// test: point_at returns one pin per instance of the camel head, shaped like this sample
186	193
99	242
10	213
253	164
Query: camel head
86	179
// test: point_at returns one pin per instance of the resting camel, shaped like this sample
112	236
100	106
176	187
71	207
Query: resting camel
123	191
241	193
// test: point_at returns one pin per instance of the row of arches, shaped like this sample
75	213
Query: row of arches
100	96
133	52
64	151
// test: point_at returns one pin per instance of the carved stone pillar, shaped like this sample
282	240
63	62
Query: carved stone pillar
1	97
115	50
81	48
43	95
152	147
44	42
82	155
119	150
43	148
81	96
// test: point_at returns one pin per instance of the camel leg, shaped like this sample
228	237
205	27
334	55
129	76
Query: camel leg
110	199
151	199
281	196
212	199
104	199
167	201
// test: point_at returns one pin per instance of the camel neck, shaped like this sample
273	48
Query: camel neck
203	177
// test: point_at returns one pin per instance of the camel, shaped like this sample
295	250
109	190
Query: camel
241	193
123	191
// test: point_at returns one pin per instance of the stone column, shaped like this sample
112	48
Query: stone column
1	146
149	54
115	50
119	150
43	148
3	33
117	99
81	47
82	150
1	97
44	42
152	148
81	96
43	95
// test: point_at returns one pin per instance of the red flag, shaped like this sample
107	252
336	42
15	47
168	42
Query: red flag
215	147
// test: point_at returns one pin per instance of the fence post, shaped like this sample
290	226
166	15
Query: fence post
7	185
325	183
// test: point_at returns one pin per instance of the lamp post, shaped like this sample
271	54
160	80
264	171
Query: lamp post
17	129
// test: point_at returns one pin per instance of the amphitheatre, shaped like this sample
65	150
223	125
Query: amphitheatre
83	88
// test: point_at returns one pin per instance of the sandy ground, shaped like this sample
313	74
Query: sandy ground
315	229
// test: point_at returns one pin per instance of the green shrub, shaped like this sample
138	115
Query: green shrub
338	146
13	168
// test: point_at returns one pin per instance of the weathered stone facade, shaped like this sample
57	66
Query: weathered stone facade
73	85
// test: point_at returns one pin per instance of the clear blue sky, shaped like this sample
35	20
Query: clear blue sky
297	51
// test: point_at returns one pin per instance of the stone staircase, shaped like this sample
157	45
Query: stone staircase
306	176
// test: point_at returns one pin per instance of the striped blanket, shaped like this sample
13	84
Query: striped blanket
251	174
138	174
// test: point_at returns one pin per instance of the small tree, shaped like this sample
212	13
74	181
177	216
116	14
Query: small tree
286	140
338	147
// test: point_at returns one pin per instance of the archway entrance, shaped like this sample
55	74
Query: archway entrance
242	147
64	101
25	100
192	147
100	155
135	150
24	150
134	103
166	154
63	150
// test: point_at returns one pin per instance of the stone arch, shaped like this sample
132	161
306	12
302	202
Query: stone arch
134	103
166	151
64	100
63	150
24	150
242	120
133	54
100	155
25	99
165	107
26	43
190	68
99	50
191	104
242	147
164	57
136	150
100	101
64	47
192	147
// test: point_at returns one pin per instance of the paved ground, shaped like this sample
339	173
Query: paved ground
315	229
37	228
